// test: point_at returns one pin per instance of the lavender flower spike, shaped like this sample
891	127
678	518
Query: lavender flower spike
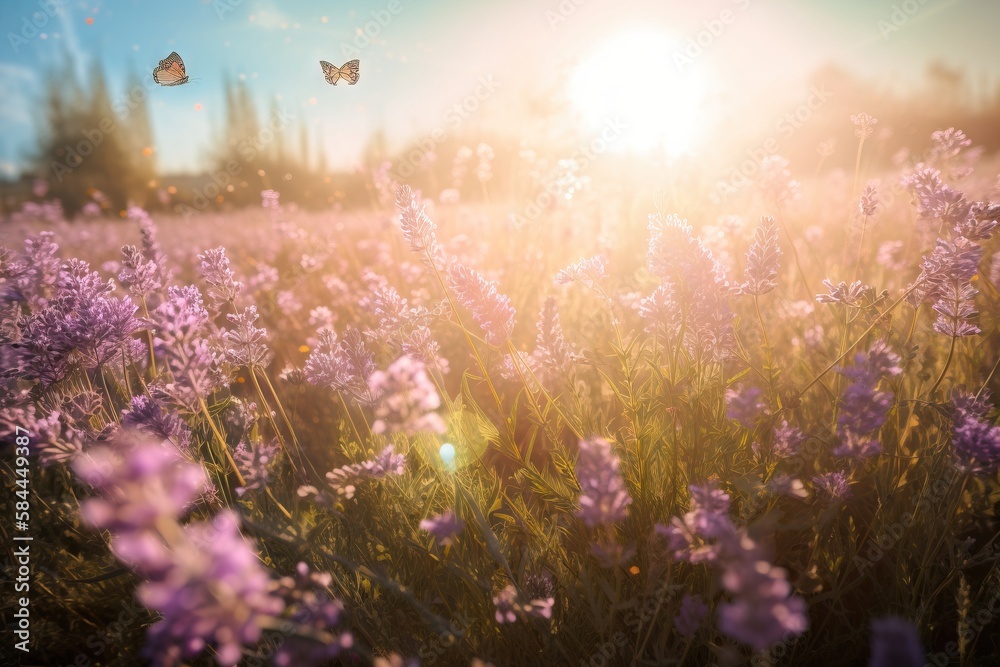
603	498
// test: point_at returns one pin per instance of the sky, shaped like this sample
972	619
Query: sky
419	58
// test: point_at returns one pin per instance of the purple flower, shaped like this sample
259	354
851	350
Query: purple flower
692	612
745	405
697	280
344	480
255	463
215	593
864	125
603	496
869	201
863	408
787	440
246	344
762	260
762	609
588	272
661	313
343	365
223	287
490	308
849	295
895	643
149	415
509	607
140	276
310	607
553	356
181	329
504	604
140	481
975	441
833	485
444	527
418	229
407	399
48	436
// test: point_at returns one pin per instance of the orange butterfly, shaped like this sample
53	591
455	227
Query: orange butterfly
170	71
333	74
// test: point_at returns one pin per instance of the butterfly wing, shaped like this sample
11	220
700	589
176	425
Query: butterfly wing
170	71
331	72
350	71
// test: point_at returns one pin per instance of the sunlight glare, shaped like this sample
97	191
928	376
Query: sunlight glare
633	77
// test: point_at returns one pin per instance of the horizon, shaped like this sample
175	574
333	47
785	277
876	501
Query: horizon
411	77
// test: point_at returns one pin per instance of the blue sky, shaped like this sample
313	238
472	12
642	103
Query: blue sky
431	53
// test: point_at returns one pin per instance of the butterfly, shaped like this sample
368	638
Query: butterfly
333	74
170	71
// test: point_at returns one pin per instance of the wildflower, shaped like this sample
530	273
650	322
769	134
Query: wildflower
214	592
744	405
849	295
309	607
342	365
833	485
407	399
418	229
603	496
864	125
762	609
975	442
895	643
552	352
344	480
246	343
589	272
692	612
863	408
762	260
504	603
148	414
140	481
661	313
869	201
139	275
787	440
255	464
490	308
223	287
697	280
444	527
508	606
49	438
947	144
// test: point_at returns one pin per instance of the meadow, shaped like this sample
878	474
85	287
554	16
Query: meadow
574	429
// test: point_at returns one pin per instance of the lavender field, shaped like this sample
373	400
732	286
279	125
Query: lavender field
509	404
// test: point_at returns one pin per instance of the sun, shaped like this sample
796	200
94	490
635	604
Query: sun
634	77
